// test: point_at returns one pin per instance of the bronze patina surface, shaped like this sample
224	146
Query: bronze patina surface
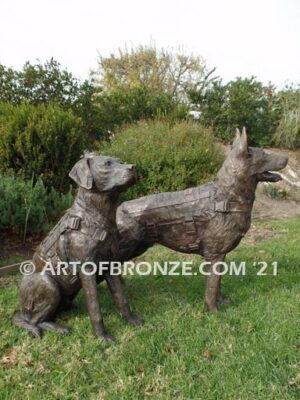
208	220
87	232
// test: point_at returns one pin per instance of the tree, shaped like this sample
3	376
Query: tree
49	83
241	102
150	69
39	84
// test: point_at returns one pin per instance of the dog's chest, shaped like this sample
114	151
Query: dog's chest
225	231
102	238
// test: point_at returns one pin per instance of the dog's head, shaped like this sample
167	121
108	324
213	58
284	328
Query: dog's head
251	164
103	174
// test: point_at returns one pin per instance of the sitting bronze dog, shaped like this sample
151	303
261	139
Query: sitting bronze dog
87	232
209	220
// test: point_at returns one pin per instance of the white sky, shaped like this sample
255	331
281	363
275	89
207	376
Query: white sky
239	37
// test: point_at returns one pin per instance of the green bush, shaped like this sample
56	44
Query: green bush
126	106
167	157
28	207
242	102
49	83
288	131
274	192
41	141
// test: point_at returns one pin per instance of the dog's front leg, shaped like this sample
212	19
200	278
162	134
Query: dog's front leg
89	286
221	298
114	283
213	282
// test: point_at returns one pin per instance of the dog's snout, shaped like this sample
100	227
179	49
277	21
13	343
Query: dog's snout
285	161
133	171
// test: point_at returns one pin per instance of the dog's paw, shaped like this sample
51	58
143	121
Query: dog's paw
135	321
63	331
224	300
37	333
107	337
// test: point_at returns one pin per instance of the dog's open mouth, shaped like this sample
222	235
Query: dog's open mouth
269	177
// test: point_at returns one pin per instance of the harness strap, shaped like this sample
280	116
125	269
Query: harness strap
226	206
190	227
73	222
152	233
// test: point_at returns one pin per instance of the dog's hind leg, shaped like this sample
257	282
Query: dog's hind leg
19	320
213	283
39	298
116	288
54	327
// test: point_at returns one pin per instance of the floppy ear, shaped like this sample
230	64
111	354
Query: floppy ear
81	174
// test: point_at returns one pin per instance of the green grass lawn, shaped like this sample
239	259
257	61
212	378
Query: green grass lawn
249	350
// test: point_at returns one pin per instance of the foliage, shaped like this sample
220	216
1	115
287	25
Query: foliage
153	70
168	157
274	192
124	106
49	83
288	131
28	207
242	102
40	141
38	84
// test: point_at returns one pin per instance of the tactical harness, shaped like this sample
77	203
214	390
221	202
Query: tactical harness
47	251
192	195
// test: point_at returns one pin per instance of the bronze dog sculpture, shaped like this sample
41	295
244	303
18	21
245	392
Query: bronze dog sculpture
208	220
87	232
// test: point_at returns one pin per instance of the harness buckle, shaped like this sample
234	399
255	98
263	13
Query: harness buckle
190	227
74	222
222	206
152	230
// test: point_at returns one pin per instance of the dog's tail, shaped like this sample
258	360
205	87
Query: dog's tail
20	321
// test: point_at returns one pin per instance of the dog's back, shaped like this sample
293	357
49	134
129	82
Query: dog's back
174	219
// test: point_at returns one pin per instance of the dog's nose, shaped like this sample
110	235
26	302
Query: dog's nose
132	168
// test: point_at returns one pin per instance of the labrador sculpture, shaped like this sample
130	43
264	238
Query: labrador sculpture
208	220
87	232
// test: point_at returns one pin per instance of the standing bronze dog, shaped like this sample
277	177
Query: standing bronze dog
87	232
209	220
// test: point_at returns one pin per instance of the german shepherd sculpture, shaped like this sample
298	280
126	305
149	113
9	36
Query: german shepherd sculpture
87	232
209	220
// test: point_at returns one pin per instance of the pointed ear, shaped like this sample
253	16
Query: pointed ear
81	174
242	146
237	138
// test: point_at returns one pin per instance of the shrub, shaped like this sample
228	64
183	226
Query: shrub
49	83
274	192
167	157
28	207
40	141
125	106
288	131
